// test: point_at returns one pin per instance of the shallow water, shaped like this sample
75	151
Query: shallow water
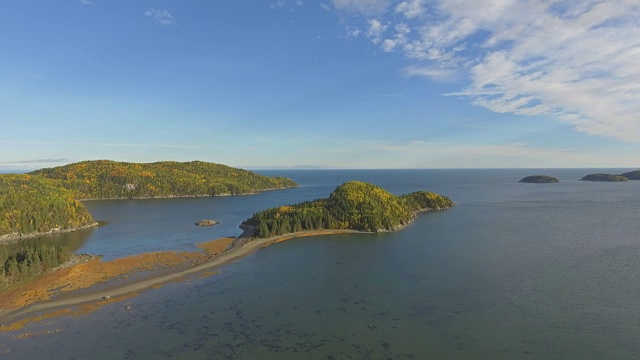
515	271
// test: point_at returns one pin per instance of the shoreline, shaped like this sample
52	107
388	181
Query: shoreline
13	238
242	246
16	237
256	192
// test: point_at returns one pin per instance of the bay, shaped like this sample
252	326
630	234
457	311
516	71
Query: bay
514	271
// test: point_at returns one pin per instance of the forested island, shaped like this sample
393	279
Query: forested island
539	179
632	175
354	205
105	179
604	177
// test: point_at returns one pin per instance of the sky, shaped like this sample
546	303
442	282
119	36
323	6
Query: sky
321	84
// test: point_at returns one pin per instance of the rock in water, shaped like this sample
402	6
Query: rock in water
206	223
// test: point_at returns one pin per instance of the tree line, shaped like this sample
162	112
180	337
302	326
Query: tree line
31	204
21	261
105	179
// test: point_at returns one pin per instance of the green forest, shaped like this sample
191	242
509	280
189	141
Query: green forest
32	204
105	179
25	260
353	205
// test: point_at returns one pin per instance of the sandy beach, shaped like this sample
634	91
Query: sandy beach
74	286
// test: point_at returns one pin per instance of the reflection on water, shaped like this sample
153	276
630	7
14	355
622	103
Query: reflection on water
71	240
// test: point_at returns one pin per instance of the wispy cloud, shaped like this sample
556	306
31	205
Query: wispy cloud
430	72
367	7
513	154
380	95
34	161
161	17
575	61
281	4
85	2
108	144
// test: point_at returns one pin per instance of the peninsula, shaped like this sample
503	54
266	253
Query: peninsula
354	205
539	179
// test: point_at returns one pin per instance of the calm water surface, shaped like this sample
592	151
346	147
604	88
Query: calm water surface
515	271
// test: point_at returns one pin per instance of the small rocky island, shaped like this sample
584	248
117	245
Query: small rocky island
632	175
604	177
539	179
354	205
206	223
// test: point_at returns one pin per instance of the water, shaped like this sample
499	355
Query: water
515	271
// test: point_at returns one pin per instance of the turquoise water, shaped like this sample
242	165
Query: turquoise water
515	271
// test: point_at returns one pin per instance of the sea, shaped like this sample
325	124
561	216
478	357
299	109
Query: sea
514	271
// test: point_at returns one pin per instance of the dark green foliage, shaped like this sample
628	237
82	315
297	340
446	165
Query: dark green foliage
353	205
31	204
25	260
540	179
604	177
632	175
104	179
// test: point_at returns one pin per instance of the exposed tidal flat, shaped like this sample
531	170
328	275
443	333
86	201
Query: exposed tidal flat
511	272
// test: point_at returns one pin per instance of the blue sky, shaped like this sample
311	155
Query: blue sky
333	83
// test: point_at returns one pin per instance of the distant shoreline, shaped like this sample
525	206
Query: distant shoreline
186	196
13	238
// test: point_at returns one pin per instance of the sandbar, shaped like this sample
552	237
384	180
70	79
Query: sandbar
85	283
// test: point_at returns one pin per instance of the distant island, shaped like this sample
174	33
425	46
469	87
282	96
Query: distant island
604	177
105	179
539	179
354	205
632	175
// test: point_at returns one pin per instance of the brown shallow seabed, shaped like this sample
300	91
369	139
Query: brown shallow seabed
160	267
86	275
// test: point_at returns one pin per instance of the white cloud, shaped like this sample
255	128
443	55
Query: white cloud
576	61
325	6
161	17
376	30
411	9
281	4
86	2
278	4
430	72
